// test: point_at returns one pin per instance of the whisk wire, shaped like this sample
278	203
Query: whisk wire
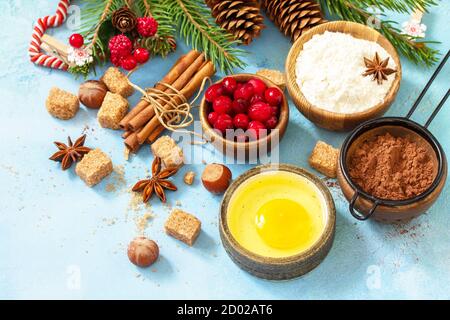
427	86
438	108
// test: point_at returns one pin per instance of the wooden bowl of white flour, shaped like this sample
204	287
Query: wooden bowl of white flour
325	68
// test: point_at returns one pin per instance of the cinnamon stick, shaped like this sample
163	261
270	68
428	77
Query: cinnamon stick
188	91
126	134
130	115
179	67
155	134
145	115
131	142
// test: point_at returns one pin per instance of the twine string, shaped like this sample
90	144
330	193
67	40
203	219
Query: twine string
148	11
170	114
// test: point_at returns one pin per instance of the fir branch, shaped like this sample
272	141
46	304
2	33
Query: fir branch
94	26
401	6
192	18
415	50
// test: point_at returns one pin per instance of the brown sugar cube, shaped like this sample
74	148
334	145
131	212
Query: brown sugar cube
189	177
117	82
167	149
62	104
94	166
112	111
277	77
324	158
183	226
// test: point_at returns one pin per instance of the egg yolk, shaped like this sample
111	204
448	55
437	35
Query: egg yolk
283	224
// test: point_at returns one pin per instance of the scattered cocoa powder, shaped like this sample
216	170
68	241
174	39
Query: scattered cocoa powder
393	168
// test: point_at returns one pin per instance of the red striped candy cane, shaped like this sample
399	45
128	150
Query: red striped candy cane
41	26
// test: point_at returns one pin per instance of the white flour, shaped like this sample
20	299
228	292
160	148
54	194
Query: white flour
329	73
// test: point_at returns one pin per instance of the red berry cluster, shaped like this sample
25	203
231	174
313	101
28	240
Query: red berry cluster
123	55
147	26
243	105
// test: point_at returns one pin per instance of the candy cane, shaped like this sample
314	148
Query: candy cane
41	26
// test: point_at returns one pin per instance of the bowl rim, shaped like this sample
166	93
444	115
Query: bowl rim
302	256
399	122
296	92
282	121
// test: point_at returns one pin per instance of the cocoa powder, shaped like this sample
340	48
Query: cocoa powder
392	168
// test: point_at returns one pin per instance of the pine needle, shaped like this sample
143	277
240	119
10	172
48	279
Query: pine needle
401	6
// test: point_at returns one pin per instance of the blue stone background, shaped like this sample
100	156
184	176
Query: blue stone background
60	239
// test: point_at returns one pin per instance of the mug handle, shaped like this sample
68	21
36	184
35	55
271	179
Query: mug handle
358	215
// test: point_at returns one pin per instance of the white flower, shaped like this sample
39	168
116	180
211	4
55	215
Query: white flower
80	57
414	28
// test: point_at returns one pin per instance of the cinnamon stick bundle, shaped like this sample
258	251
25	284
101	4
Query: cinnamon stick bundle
146	114
175	72
186	76
188	91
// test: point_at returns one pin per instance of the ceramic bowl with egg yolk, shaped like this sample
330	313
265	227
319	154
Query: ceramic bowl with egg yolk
277	221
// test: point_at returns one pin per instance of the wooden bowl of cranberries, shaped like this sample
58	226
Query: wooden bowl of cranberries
244	114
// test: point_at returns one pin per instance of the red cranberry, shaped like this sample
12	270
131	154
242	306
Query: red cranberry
275	110
260	111
245	92
222	104
241	121
213	92
212	117
223	122
258	85
273	96
229	84
240	106
257	98
129	63
272	122
255	129
141	55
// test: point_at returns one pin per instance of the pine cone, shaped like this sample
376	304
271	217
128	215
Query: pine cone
241	18
293	17
124	20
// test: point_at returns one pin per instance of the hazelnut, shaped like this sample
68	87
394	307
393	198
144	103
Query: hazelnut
216	178
143	252
92	93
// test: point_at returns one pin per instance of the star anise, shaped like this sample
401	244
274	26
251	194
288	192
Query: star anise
71	153
157	183
377	68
